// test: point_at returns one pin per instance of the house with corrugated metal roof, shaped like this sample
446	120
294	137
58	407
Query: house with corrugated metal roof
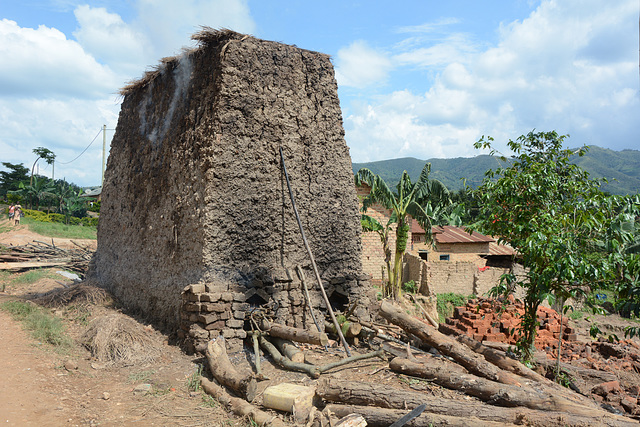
452	243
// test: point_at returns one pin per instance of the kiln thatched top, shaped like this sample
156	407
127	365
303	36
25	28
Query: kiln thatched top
207	36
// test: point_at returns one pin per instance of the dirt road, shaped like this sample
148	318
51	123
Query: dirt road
26	395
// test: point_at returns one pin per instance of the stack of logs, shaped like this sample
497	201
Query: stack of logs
505	391
490	320
41	254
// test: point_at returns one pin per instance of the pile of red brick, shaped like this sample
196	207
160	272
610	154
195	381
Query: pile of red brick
490	320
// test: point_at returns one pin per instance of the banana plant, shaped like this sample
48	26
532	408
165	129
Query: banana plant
407	201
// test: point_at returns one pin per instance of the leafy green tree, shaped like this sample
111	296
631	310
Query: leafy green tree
470	208
73	205
42	153
11	179
618	249
409	200
39	189
551	212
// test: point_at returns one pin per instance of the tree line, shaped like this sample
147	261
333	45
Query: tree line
39	192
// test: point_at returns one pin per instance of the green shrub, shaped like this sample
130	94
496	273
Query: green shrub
447	302
56	217
95	207
59	218
36	215
576	314
410	287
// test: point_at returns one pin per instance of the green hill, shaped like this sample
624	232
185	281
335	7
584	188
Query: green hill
621	168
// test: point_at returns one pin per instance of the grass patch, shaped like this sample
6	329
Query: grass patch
209	401
26	278
447	302
43	326
193	380
141	377
576	314
63	231
5	227
32	276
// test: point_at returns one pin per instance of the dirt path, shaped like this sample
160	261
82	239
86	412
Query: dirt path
25	398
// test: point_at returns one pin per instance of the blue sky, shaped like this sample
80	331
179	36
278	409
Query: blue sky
420	78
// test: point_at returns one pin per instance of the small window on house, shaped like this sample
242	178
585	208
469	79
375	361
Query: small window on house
444	257
424	255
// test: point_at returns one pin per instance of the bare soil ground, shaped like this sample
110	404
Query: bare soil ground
43	387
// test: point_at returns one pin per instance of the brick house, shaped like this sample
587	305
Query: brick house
457	261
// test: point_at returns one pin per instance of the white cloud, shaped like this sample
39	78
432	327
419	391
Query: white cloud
451	48
106	36
361	66
64	126
570	66
43	62
169	24
57	92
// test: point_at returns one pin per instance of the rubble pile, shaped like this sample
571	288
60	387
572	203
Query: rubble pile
491	320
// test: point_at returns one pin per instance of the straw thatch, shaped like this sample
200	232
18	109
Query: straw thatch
118	339
78	294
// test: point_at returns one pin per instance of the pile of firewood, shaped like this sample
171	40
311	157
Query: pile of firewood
501	390
42	255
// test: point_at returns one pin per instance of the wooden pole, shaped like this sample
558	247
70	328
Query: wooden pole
306	295
313	261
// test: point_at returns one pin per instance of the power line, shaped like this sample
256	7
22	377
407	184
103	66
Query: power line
83	151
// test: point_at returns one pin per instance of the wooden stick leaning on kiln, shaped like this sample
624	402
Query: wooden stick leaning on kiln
313	261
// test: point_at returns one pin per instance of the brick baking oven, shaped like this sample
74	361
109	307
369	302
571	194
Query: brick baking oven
196	226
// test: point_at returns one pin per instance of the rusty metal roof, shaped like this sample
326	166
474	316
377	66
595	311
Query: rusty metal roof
500	249
451	234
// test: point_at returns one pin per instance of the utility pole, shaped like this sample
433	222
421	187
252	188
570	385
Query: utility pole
104	149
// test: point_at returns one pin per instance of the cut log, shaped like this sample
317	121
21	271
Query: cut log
288	349
312	370
16	266
540	398
372	394
352	420
293	398
294	334
446	345
352	330
501	360
380	417
222	370
350	359
239	406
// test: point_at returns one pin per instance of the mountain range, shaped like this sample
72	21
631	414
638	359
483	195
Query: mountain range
620	168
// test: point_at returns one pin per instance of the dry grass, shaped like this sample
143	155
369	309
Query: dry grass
78	294
118	339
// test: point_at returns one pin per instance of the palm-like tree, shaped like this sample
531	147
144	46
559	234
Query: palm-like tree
409	200
36	191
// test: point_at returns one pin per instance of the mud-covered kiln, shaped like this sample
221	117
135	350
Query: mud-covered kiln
196	225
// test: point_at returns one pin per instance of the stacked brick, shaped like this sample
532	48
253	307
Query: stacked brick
488	320
212	309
